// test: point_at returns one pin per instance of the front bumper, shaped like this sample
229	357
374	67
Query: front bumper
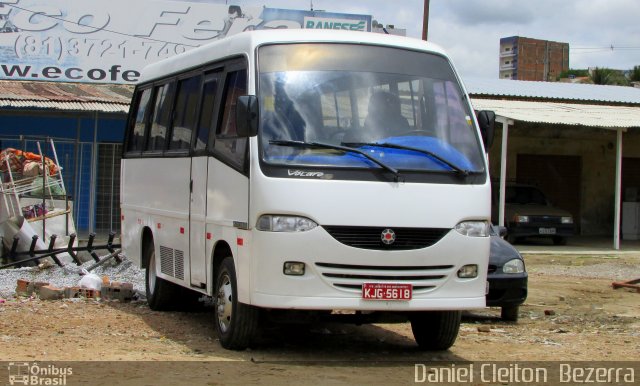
335	273
507	289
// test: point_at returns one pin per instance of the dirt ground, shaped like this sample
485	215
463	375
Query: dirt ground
567	317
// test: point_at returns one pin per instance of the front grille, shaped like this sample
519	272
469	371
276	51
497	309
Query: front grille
371	237
350	277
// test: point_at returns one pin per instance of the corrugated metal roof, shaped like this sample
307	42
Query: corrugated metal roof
562	113
552	90
112	98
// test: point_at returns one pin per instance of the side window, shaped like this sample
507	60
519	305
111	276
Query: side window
185	113
207	111
227	143
161	118
136	135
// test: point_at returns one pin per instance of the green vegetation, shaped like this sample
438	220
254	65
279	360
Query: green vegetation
605	76
634	75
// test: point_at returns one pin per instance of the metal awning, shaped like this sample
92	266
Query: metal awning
612	117
67	97
604	116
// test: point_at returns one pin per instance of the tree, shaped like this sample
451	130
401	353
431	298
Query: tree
634	76
607	76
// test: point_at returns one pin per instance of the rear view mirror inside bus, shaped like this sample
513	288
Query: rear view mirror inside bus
247	115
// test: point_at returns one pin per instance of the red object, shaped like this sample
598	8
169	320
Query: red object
387	291
209	235
159	225
240	241
181	230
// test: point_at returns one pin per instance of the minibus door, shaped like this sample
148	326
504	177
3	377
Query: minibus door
199	179
197	221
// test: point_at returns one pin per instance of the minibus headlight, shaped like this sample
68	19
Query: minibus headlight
274	223
520	218
473	228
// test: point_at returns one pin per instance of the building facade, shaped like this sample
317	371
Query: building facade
524	58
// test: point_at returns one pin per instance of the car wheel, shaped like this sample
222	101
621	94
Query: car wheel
558	240
436	330
509	313
161	294
236	323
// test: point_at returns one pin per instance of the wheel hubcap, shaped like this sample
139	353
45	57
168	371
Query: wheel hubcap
224	303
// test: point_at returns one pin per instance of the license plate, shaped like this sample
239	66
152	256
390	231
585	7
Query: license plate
547	231
386	291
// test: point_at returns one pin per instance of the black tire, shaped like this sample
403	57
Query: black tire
236	323
559	240
161	294
509	313
436	330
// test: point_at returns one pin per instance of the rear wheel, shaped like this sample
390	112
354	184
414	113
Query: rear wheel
161	294
436	330
236	323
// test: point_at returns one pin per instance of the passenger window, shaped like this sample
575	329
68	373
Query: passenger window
185	113
136	137
161	118
227	144
206	122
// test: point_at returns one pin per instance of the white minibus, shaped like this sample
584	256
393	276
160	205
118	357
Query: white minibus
316	175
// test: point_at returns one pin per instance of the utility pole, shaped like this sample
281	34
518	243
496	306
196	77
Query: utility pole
425	20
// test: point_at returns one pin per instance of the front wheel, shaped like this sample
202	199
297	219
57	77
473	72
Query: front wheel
236	323
436	330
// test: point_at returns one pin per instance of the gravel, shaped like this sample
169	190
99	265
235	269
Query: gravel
69	275
614	270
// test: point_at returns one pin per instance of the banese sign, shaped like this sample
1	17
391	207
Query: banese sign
111	41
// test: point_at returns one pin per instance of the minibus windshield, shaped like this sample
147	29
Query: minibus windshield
403	108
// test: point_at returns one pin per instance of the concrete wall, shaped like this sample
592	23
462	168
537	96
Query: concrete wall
595	146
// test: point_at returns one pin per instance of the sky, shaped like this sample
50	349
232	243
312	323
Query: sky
470	30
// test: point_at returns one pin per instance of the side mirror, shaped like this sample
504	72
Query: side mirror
247	116
486	121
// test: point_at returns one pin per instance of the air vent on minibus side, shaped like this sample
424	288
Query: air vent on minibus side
172	262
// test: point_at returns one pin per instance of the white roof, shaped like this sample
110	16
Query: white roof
562	113
244	44
552	90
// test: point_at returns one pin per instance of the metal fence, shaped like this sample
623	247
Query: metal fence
91	176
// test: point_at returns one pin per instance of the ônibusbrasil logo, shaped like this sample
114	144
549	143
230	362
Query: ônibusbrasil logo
25	373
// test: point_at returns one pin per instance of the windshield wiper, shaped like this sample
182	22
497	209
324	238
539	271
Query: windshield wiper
454	167
319	145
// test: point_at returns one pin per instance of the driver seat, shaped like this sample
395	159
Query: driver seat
384	117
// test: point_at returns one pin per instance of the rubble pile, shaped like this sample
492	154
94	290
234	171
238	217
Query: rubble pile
120	281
